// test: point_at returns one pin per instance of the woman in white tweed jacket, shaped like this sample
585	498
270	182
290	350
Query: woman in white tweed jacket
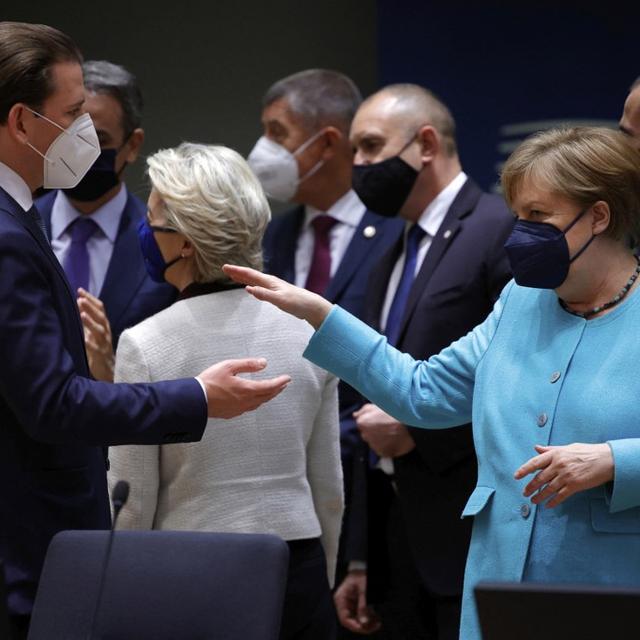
274	470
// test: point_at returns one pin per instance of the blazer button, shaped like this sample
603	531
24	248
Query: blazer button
525	510
555	376
542	419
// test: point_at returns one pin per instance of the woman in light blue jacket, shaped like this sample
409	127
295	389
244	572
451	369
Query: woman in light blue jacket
549	380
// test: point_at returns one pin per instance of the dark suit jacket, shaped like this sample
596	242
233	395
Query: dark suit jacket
128	293
54	420
347	287
462	275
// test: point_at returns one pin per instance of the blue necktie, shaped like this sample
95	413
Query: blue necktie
397	309
76	262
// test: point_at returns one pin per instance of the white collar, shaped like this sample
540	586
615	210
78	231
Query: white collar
348	210
16	187
436	210
107	217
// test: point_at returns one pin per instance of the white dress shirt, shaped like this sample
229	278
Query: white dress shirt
100	244
16	187
430	221
348	211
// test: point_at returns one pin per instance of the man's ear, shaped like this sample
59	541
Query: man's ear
17	123
429	141
335	139
601	217
133	145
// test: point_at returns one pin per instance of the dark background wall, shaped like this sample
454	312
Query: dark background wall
204	65
504	68
507	69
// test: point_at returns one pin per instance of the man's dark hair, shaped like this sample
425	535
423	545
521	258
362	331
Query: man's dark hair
106	78
319	97
27	54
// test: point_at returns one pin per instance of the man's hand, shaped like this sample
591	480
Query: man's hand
97	336
385	435
351	604
298	302
229	395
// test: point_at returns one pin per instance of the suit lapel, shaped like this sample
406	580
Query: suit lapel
463	204
13	208
381	272
283	259
126	271
8	204
357	251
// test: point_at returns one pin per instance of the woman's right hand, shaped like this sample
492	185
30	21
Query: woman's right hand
294	300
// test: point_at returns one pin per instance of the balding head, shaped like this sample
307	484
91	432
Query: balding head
630	121
404	108
408	123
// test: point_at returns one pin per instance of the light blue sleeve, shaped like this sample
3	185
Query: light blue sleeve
436	393
626	481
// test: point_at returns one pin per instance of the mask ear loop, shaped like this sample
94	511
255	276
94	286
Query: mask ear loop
55	124
316	167
584	247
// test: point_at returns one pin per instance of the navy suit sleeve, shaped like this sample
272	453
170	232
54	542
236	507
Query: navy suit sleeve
39	379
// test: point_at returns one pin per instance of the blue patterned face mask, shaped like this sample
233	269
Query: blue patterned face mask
153	260
539	254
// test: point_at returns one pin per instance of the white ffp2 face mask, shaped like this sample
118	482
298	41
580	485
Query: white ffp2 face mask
277	169
71	154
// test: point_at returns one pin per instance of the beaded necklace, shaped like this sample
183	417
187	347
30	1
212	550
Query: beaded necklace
607	305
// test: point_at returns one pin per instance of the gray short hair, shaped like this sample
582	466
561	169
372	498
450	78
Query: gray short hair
319	97
420	106
635	84
104	77
211	196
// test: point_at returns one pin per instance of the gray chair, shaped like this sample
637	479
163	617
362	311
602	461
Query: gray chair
162	585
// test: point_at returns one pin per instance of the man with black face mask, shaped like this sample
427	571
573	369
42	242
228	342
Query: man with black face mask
436	283
92	226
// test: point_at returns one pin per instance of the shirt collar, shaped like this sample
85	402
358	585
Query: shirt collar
434	214
16	187
107	217
348	210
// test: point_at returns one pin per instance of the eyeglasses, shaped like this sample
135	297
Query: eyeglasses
154	227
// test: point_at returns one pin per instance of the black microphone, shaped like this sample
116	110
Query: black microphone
119	498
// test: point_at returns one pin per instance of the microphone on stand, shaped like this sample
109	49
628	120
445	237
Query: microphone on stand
118	500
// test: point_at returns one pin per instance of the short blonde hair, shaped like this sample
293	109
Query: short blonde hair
211	196
584	165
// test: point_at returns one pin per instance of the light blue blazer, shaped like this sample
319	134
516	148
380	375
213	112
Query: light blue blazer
530	374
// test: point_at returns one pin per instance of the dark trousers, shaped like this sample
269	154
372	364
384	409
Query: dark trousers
410	611
308	612
19	627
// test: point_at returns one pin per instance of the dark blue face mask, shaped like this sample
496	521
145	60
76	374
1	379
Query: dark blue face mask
539	254
153	260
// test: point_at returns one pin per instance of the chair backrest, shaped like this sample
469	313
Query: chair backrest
534	611
162	585
4	610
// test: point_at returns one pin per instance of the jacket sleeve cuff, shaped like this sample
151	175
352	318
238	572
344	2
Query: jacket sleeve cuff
625	493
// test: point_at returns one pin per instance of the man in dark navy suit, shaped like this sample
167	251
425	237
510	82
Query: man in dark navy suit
329	240
55	420
407	544
115	281
630	120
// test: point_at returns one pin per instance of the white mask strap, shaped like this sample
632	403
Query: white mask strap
311	140
55	124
